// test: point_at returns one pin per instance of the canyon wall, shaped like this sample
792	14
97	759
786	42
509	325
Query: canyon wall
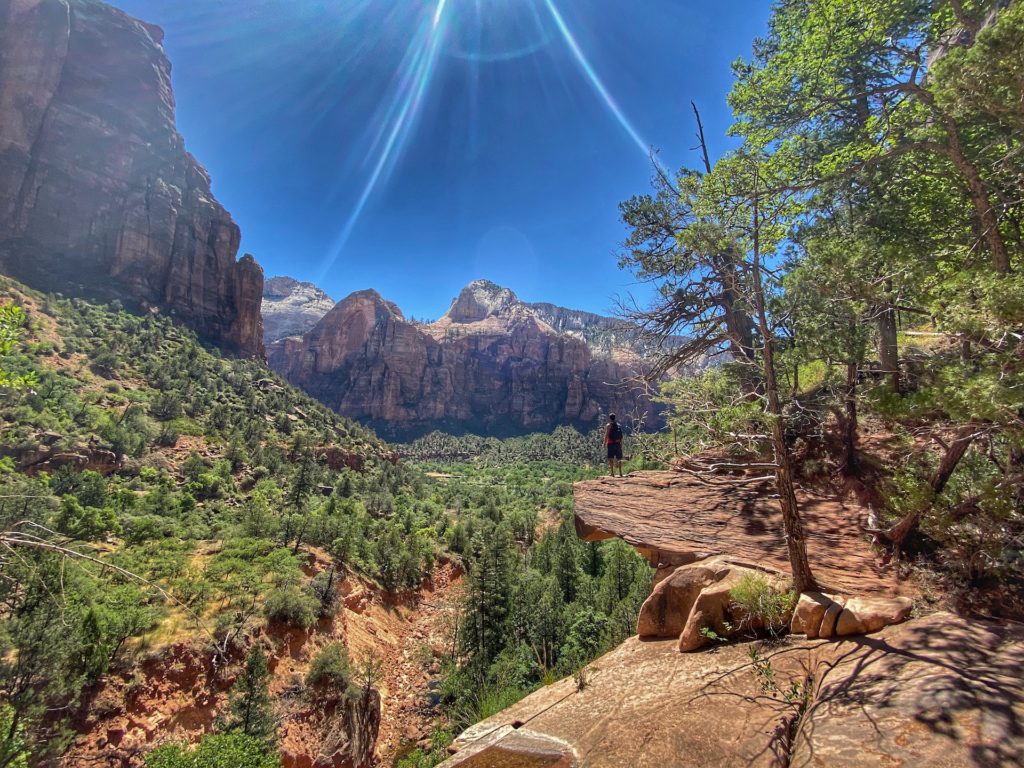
98	196
489	366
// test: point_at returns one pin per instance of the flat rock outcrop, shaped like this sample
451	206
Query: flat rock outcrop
677	519
98	196
937	692
489	366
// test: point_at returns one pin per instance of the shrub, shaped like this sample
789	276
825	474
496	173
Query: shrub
167	437
232	750
324	589
760	599
291	605
330	668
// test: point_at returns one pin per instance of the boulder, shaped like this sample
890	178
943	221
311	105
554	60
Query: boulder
667	609
697	598
809	613
863	615
827	616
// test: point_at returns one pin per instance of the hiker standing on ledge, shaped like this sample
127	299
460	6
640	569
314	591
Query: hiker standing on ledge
613	439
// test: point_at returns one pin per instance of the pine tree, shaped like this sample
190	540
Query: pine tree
251	710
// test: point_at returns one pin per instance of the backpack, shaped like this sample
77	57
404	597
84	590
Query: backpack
615	433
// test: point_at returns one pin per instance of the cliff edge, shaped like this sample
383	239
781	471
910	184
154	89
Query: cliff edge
98	196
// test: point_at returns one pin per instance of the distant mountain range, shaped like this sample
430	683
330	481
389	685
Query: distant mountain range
491	365
293	308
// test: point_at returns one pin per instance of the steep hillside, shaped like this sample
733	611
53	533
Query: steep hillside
209	484
98	196
291	308
490	365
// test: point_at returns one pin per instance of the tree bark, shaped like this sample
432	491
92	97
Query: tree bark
850	420
964	437
888	343
803	578
980	199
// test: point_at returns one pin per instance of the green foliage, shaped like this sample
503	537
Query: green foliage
232	750
437	754
331	669
85	523
293	606
12	322
251	711
760	599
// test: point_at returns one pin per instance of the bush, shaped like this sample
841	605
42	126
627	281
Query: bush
292	606
760	599
330	668
324	589
232	750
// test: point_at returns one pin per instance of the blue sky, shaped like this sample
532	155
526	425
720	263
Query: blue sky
414	145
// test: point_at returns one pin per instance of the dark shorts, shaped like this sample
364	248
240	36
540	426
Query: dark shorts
615	451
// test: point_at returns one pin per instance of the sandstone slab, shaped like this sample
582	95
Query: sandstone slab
936	692
676	519
648	706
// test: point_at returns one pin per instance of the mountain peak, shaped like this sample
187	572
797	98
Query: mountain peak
479	300
291	307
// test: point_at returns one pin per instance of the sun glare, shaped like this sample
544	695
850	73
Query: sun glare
482	32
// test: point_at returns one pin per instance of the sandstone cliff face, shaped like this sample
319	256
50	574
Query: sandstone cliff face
291	308
489	366
98	196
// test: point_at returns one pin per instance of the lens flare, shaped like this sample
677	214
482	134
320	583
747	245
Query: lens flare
417	72
414	78
489	32
595	80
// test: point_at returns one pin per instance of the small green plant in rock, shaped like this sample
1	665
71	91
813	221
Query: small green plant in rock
761	600
711	634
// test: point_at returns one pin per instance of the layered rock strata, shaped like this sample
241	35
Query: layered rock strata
98	196
676	519
489	366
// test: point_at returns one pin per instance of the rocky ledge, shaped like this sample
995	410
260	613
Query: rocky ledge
676	519
937	691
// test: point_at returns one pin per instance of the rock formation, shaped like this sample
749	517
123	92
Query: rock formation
937	691
490	365
675	519
291	308
98	196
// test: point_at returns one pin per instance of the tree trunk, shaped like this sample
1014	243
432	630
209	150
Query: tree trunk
980	199
888	342
850	420
964	437
803	579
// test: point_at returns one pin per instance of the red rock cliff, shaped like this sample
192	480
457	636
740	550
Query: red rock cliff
98	196
489	366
